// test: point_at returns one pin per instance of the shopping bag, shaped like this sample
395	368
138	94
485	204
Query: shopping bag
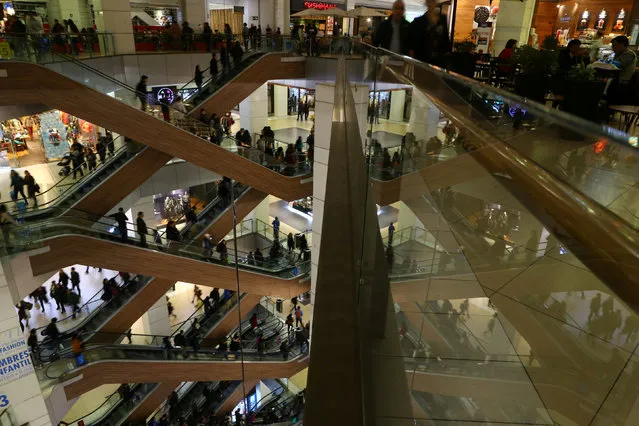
13	195
80	360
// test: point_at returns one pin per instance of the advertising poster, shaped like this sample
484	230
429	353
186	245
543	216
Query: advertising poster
15	361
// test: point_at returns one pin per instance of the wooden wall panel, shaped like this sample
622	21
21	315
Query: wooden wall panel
243	206
69	250
27	82
124	181
269	67
153	401
229	322
464	17
142	302
235	398
544	19
121	371
574	9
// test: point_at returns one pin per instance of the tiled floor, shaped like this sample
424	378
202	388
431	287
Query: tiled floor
90	284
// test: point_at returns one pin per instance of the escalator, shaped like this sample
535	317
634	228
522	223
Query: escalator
100	190
82	240
116	409
114	316
148	364
83	100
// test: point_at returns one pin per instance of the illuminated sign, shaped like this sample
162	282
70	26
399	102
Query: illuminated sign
320	5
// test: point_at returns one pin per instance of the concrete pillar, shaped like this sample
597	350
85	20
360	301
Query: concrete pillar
398	101
195	12
115	16
513	22
324	101
19	388
280	93
424	118
78	10
282	15
254	112
347	23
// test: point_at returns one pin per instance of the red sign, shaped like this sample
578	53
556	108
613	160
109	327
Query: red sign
320	5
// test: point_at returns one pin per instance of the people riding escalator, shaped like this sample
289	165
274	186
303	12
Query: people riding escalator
393	33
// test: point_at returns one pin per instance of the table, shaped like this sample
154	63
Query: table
629	114
555	99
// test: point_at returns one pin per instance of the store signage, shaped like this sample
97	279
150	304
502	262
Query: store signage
255	18
320	5
4	401
15	360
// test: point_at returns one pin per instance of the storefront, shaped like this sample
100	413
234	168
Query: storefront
42	138
326	25
567	20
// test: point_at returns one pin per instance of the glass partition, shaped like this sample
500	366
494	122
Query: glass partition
501	311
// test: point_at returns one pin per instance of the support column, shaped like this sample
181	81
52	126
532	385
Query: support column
282	16
114	16
194	12
281	101
324	102
253	110
513	22
424	118
398	101
347	23
19	388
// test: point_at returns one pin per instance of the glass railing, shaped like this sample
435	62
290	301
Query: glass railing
539	246
28	236
47	48
122	353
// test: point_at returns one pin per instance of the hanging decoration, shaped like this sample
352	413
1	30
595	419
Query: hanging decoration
584	20
602	19
620	22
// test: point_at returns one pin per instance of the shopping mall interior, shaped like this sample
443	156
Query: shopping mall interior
270	226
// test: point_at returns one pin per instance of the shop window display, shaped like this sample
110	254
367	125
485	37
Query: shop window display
20	142
304	206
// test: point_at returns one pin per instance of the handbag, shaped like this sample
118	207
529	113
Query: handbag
80	360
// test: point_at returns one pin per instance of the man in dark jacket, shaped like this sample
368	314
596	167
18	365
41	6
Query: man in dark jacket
121	218
142	91
429	38
142	229
392	34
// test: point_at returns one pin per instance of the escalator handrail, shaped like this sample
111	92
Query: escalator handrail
213	355
100	220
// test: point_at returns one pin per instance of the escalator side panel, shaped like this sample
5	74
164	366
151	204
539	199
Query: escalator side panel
153	401
68	250
236	397
451	172
268	67
229	322
142	302
120	371
77	99
123	182
243	206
